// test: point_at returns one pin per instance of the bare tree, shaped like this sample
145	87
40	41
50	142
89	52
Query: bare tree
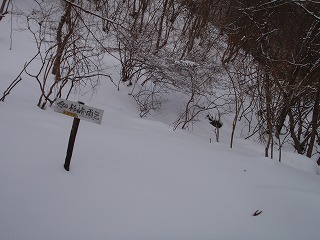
69	50
4	8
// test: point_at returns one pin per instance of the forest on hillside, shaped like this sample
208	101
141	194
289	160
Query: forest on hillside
256	59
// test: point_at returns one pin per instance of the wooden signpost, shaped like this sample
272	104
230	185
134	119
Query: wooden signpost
79	111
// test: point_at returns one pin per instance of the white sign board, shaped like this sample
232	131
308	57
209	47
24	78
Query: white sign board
78	110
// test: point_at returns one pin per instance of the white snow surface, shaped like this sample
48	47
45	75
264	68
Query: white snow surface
137	179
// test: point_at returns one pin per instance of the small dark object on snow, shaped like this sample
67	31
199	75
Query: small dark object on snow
256	213
214	122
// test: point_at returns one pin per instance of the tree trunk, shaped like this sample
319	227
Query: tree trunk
269	117
61	43
315	125
297	144
4	8
161	24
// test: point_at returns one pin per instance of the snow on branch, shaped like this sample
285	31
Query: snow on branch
307	10
277	3
94	14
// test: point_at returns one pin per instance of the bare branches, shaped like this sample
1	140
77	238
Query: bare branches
92	13
4	8
257	59
302	5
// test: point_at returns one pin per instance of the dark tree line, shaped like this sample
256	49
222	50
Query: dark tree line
283	38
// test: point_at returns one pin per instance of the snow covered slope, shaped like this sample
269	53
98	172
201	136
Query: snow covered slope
137	179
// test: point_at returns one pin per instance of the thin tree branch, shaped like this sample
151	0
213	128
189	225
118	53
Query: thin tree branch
94	14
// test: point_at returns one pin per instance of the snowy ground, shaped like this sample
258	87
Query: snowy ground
137	179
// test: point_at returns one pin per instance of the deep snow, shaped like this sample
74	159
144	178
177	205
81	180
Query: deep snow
137	179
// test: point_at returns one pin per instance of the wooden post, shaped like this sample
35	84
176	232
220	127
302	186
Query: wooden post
72	138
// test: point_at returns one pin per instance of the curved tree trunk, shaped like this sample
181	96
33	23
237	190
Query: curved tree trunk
4	8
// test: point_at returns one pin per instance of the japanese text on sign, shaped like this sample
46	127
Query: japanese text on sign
78	110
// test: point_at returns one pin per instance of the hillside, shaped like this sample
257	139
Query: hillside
136	178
